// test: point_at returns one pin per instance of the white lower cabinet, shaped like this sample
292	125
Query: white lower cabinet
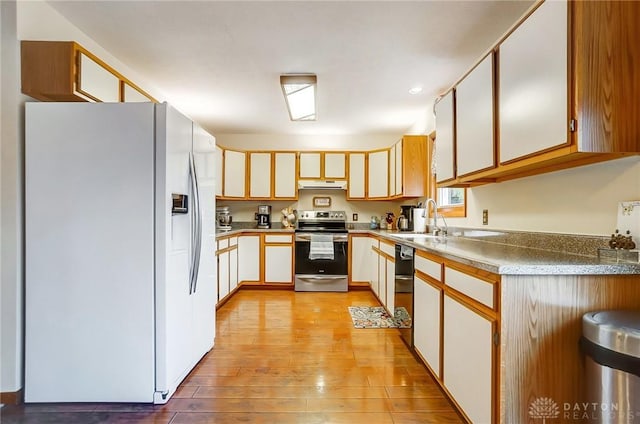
390	286
278	264
223	275
249	258
361	259
233	269
468	359
426	322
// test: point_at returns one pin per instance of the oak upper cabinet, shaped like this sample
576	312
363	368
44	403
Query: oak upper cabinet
284	180
378	174
66	71
219	169
323	165
445	143
411	166
234	173
475	147
335	166
399	168
392	171
259	175
357	172
533	84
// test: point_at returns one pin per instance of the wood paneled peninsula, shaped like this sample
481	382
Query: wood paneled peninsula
497	325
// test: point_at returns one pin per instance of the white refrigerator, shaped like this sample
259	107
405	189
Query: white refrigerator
119	251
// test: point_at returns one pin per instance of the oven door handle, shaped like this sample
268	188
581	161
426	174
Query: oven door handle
320	278
336	237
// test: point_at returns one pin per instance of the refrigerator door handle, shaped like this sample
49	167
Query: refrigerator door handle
198	232
194	215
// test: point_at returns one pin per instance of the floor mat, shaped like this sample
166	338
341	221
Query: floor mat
378	317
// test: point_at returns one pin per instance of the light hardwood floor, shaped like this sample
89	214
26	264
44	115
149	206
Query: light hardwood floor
284	357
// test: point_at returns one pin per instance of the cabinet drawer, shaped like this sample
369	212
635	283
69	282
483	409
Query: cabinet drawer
475	288
431	268
223	243
389	249
280	238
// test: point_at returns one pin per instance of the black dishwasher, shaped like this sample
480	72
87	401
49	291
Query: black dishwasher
403	308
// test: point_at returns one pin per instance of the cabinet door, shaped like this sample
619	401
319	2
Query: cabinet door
259	175
374	270
278	262
391	286
392	171
234	173
382	279
132	95
356	175
474	120
223	275
426	322
249	258
399	168
233	269
334	166
444	139
467	361
285	175
218	165
310	165
378	174
97	82
360	259
533	84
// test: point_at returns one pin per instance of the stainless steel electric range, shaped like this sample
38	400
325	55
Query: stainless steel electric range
322	251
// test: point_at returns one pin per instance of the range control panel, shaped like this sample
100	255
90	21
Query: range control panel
322	215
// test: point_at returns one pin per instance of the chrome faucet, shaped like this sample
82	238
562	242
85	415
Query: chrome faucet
436	229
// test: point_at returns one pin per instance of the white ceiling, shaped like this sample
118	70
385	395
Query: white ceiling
220	61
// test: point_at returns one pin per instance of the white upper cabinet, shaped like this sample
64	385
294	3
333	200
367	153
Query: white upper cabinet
356	176
310	165
132	95
218	165
474	120
234	173
334	166
533	84
392	170
285	175
444	139
378	173
259	175
97	82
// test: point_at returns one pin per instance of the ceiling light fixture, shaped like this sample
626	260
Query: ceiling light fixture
300	95
415	90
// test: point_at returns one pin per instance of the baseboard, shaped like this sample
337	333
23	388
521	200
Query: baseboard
12	398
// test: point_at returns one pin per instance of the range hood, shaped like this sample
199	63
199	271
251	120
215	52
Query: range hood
322	184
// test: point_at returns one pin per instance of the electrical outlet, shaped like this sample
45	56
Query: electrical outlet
485	217
355	217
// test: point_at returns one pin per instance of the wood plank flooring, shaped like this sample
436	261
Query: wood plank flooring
283	357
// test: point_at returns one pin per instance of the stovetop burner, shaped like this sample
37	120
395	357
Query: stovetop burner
322	221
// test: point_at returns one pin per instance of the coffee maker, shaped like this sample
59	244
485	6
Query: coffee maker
264	216
407	212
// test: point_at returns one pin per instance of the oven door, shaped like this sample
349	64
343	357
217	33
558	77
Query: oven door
321	274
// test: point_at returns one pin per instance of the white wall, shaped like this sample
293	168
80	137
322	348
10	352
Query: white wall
581	200
305	142
245	210
11	257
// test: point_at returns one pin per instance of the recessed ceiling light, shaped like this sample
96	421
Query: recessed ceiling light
300	95
415	90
